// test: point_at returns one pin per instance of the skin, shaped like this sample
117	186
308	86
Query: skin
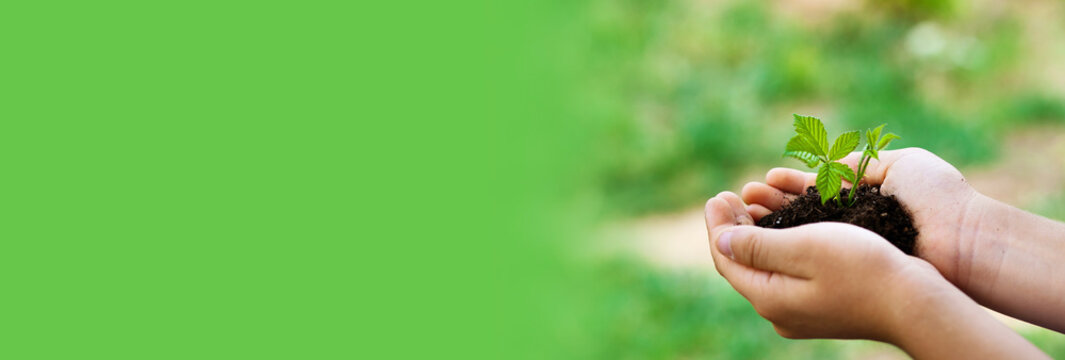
1006	259
832	280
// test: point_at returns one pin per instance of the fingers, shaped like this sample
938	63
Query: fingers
754	284
877	170
757	211
719	218
852	160
718	214
790	180
767	196
783	251
724	211
739	210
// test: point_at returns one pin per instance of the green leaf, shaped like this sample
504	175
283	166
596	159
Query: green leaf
800	149
844	144
797	143
870	145
813	132
843	171
828	183
886	140
876	133
811	160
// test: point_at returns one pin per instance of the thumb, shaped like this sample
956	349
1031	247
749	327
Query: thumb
784	251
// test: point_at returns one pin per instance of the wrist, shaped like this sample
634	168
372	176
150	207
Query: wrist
983	236
932	318
935	320
918	294
1007	251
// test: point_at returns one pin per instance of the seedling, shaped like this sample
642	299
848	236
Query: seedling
810	144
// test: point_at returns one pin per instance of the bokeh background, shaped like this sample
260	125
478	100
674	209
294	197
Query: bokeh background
688	98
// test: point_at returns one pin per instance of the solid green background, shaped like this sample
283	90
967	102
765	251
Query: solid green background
295	180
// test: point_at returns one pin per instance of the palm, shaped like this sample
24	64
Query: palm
934	192
937	196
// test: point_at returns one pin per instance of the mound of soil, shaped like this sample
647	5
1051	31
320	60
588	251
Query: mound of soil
878	213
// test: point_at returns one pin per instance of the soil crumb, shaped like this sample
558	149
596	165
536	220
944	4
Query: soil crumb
881	214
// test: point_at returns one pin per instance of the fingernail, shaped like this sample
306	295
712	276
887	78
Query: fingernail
724	244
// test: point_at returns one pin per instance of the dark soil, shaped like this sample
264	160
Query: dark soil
878	213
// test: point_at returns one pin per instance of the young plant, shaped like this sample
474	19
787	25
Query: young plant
810	144
874	143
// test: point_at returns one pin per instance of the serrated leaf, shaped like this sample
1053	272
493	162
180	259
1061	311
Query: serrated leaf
843	171
812	130
800	149
844	144
828	183
797	144
811	160
886	140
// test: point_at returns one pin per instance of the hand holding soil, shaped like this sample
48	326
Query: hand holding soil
935	193
819	263
991	251
812	281
833	280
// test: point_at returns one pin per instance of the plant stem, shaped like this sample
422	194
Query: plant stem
862	164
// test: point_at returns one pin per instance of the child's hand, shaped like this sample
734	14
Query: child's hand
834	280
824	280
1001	256
935	193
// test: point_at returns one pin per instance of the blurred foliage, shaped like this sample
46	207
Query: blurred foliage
916	8
688	95
1052	206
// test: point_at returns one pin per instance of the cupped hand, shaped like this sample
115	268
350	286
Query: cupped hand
824	280
834	280
935	193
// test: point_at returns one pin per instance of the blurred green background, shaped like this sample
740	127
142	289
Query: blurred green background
689	98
